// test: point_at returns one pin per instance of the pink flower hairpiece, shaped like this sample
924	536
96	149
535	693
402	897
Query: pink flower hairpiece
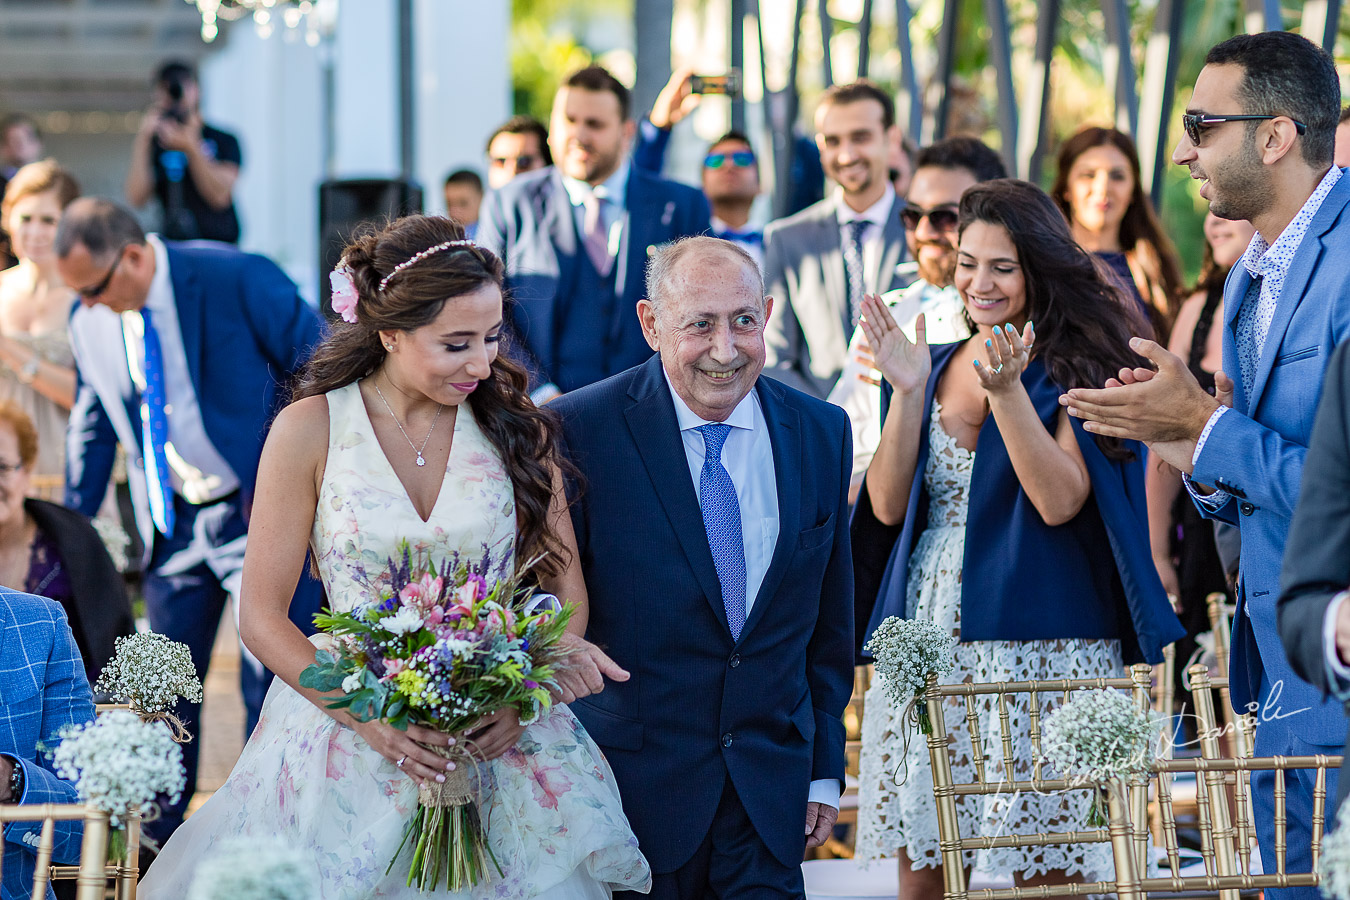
421	255
344	292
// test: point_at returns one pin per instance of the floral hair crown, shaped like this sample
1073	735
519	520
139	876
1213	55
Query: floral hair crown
344	286
421	255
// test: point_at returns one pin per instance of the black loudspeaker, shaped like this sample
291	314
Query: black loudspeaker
344	206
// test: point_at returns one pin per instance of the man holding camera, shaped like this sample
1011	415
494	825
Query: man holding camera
189	166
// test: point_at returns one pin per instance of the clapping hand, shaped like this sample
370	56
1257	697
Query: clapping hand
1009	353
902	362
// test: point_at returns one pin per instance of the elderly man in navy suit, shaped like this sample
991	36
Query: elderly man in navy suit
575	239
713	533
182	351
42	690
1260	132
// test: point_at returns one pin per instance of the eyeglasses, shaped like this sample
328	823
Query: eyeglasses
739	158
94	292
8	469
942	218
1194	122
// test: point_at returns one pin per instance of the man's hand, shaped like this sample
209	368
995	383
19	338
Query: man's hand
185	136
1166	406
7	769
820	821
1342	633
675	101
583	669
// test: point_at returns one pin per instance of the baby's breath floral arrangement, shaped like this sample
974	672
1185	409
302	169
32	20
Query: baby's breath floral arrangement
1334	866
1100	737
244	869
905	652
436	646
120	764
151	672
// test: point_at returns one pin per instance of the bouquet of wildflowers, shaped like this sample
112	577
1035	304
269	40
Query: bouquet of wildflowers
120	764
1100	737
1334	866
151	672
905	653
437	647
244	869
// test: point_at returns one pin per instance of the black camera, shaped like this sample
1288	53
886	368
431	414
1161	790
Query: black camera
174	84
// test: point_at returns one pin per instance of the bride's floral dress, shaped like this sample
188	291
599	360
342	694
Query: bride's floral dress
550	805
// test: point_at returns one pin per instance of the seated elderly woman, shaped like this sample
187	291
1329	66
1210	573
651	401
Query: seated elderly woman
54	552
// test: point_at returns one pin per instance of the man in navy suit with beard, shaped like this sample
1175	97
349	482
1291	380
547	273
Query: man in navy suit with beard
713	534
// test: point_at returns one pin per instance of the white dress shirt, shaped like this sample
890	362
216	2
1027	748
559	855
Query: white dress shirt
944	323
614	191
197	471
747	456
873	237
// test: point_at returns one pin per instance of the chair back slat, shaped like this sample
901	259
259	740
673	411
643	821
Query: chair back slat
93	847
976	745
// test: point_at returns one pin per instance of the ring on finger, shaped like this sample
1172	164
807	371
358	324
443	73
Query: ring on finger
996	369
402	761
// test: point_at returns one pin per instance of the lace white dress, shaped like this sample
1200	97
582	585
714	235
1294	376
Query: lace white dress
891	816
550	805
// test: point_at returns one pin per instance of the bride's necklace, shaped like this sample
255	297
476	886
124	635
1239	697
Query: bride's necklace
439	406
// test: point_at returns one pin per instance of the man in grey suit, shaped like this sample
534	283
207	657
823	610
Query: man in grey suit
819	262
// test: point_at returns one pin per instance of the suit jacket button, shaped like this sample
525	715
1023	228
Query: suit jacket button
1246	508
726	739
736	660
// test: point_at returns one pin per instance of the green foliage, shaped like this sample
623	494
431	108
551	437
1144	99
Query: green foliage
546	44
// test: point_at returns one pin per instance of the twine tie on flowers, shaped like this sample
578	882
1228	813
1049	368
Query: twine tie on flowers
722	521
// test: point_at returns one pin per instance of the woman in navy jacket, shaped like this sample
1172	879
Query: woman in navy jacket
1023	534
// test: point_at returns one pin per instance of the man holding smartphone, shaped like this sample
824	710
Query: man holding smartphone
189	166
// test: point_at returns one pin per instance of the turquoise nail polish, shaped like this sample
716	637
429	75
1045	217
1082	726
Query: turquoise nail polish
988	342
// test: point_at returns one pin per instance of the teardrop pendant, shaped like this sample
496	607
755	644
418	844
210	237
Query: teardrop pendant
420	460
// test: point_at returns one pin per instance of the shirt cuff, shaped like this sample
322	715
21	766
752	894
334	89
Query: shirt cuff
1217	499
544	393
649	131
1204	434
825	792
1338	672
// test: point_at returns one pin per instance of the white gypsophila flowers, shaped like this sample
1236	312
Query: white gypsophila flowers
150	672
906	652
352	683
119	763
1099	735
114	539
254	869
1334	866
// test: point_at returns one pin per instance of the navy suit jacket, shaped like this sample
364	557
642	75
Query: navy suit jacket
42	690
1091	577
530	224
700	707
245	332
1256	452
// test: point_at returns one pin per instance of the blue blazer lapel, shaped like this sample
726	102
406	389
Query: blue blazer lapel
188	300
651	420
785	437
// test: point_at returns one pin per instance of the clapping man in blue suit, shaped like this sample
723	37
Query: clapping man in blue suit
182	352
575	239
42	690
1260	132
712	525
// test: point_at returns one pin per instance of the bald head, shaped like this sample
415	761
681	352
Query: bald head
671	266
102	254
100	225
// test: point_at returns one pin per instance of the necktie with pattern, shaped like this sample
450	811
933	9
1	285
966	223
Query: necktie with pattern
853	267
155	430
722	521
596	235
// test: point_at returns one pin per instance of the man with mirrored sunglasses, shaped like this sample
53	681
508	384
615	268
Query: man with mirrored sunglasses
731	184
942	173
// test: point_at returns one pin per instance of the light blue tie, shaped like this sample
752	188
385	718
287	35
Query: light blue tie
722	520
853	268
155	431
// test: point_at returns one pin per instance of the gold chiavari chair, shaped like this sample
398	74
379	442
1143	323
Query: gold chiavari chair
998	776
89	874
848	800
47	487
1237	728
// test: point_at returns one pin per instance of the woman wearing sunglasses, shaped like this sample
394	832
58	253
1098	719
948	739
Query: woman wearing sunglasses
1099	191
1020	532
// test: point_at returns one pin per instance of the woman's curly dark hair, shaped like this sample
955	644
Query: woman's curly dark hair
524	435
1083	322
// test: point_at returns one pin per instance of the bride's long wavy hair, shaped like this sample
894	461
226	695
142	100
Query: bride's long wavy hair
525	435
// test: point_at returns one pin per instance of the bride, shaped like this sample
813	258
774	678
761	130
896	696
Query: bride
408	425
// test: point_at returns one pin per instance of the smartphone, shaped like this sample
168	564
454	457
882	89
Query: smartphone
729	84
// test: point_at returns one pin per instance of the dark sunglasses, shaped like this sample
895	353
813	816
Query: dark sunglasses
740	158
942	218
524	161
1194	122
94	292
